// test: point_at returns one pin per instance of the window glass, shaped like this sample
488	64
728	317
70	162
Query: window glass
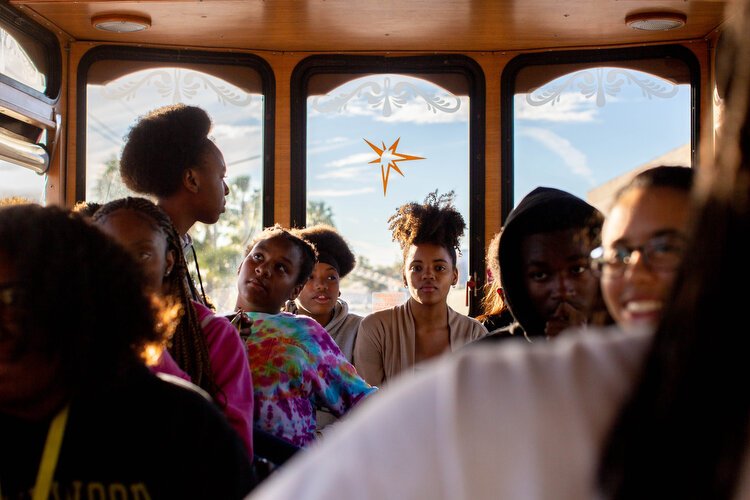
237	116
587	131
16	181
374	143
16	63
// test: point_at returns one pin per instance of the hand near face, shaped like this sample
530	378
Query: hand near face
565	316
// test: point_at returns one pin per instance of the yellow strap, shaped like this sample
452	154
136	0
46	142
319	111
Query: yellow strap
49	455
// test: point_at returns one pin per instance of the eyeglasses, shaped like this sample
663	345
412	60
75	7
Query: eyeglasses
660	254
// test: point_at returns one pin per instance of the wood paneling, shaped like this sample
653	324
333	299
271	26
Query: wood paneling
366	25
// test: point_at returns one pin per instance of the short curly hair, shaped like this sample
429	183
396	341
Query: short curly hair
435	221
84	301
161	146
307	249
331	246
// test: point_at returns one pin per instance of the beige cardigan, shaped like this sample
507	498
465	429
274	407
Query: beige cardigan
385	343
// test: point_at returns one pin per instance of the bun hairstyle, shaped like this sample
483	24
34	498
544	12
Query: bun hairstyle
331	246
434	221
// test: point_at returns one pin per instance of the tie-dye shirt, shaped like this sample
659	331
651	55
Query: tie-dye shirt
297	367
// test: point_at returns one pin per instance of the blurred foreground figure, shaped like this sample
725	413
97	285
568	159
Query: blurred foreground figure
81	416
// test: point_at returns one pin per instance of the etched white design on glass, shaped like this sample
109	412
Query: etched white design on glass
181	84
16	63
389	98
602	82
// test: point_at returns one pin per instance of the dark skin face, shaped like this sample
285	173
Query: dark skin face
30	385
429	273
144	241
209	186
268	276
319	294
558	279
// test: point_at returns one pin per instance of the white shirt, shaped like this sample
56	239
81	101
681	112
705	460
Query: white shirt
509	421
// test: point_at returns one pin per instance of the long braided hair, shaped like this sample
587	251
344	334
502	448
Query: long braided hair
188	344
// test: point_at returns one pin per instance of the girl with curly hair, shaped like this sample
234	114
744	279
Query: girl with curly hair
296	365
169	155
320	298
394	340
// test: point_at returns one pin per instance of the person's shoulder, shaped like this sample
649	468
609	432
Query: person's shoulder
580	349
301	321
186	408
464	329
207	316
342	309
171	390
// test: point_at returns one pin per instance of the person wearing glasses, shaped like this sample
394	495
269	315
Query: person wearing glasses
643	241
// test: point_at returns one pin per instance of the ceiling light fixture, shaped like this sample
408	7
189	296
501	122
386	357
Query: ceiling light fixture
656	21
120	23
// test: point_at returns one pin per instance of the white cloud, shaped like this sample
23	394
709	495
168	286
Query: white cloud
338	193
344	173
571	156
222	131
330	144
355	159
572	107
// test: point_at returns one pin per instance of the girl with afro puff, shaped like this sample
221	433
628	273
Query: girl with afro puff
393	340
320	298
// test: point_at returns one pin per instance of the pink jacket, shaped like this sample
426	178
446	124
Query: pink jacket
230	368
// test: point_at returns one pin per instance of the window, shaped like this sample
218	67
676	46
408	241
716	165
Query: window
377	134
587	126
121	85
29	85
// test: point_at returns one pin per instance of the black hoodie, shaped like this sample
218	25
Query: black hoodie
543	210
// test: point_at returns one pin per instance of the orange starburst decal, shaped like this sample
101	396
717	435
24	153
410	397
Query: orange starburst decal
388	159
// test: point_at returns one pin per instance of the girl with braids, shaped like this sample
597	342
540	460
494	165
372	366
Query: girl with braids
206	347
632	414
394	340
296	365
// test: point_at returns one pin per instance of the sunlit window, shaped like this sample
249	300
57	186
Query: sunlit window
21	182
237	116
588	129
374	143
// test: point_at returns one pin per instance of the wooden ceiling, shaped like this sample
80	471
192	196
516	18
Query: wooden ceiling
378	25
